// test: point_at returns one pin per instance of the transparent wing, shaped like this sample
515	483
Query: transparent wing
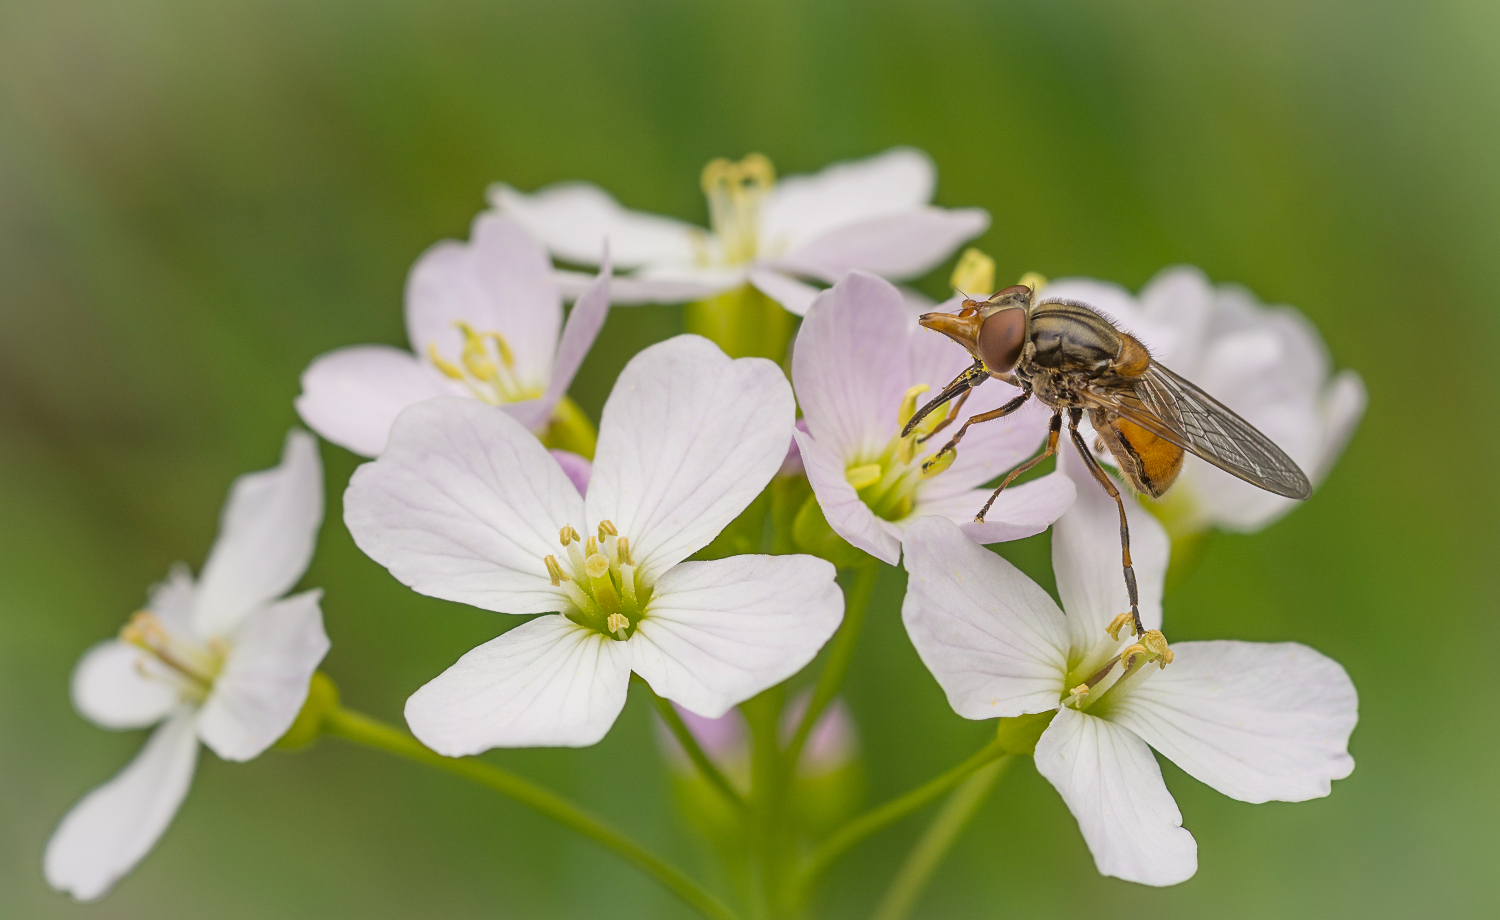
1172	408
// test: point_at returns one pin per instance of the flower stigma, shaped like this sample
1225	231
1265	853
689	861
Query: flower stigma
599	577
888	483
190	668
735	194
486	367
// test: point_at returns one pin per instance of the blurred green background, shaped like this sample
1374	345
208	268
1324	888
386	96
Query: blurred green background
198	198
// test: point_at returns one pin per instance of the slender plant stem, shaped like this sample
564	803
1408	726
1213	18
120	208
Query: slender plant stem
362	729
694	751
935	842
871	821
839	656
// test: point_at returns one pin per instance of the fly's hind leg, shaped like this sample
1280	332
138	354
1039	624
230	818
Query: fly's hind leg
1074	416
1054	429
952	446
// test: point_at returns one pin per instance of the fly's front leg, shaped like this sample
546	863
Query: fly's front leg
1054	429
1074	416
961	385
936	460
958	409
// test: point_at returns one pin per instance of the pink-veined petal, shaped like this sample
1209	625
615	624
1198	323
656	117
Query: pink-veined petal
266	538
1114	788
895	246
577	468
106	834
465	504
352	395
717	633
582	328
1019	512
1256	721
804	207
265	678
548	682
688	438
849	517
574	219
112	687
993	639
793	295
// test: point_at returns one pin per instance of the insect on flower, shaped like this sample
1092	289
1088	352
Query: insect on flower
1074	359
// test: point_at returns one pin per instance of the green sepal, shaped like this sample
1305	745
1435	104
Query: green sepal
1020	734
570	429
811	534
744	322
322	699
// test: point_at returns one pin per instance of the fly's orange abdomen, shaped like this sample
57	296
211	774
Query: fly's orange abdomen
1150	463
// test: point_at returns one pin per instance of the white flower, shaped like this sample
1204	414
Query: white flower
223	661
485	320
1256	721
860	364
465	505
1266	363
871	214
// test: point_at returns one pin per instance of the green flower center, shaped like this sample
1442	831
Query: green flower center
600	578
888	482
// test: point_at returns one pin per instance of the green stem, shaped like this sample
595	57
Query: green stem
839	656
694	751
362	729
936	841
871	821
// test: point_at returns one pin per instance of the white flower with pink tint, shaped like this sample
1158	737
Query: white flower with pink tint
869	215
465	504
485	321
860	365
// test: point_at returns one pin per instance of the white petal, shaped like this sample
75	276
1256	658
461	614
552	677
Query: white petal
549	682
464	504
1019	512
1256	721
1086	556
352	395
111	689
266	538
584	322
849	517
114	826
500	281
1342	404
894	246
632	290
576	467
687	440
573	219
994	640
795	296
1114	788
171	600
801	208
851	365
717	633
264	681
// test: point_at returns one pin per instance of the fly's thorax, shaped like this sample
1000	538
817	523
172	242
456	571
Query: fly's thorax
603	587
1071	338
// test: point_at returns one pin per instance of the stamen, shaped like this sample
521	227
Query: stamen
909	404
1119	623
591	547
568	535
735	192
1076	696
974	273
554	571
597	568
937	463
1128	657
865	475
448	370
607	529
617	624
1157	644
627	583
625	557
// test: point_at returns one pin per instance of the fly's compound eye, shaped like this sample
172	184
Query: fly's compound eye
1001	338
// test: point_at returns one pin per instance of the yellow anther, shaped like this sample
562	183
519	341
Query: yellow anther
1119	623
475	357
1033	280
937	463
568	535
555	572
617	624
909	404
1157	643
502	348
607	529
624	550
735	192
445	368
596	566
865	475
1077	695
590	546
974	273
1128	657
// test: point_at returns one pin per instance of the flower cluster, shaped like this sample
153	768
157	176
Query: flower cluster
488	486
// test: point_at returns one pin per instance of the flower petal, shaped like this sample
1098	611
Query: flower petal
631	290
352	395
264	681
802	208
849	517
1114	788
116	824
1086	557
548	682
1256	721
1019	512
894	246
584	322
111	689
851	365
577	468
500	281
688	438
994	640
717	633
573	219
795	296
464	504
266	538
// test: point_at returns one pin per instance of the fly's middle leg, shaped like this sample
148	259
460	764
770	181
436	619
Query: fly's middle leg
952	446
1054	429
